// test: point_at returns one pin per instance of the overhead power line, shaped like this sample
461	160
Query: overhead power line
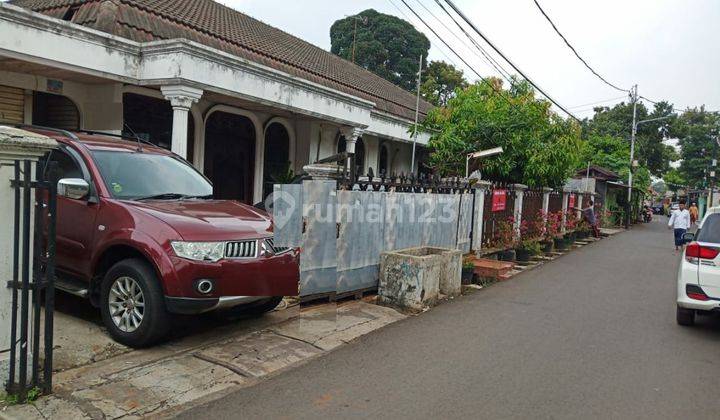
575	51
598	102
504	57
487	58
483	79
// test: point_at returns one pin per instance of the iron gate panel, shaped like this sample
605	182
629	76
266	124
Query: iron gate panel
33	273
287	210
360	242
318	259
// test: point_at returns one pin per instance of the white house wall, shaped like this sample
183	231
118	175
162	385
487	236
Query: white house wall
37	38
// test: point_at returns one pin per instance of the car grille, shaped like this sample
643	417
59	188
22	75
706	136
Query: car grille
241	249
275	249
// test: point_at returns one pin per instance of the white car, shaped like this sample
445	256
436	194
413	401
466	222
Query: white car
698	289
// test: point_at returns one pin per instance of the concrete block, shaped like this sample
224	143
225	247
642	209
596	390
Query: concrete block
414	277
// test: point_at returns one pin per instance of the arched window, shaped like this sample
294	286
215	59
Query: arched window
277	157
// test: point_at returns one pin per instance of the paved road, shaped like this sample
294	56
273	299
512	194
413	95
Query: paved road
591	335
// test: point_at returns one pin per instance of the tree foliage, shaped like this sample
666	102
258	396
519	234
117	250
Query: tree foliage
440	80
697	131
650	150
384	44
541	149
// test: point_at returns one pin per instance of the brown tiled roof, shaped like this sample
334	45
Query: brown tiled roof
226	29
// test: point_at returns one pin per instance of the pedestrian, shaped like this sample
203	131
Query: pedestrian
694	213
680	223
588	214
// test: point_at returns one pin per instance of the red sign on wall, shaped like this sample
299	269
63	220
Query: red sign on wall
499	200
571	201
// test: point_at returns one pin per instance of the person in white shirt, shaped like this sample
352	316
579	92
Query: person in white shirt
680	223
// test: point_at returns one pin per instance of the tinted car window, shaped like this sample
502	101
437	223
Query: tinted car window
130	175
710	231
67	167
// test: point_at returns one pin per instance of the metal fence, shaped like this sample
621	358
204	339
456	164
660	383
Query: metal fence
342	226
532	204
493	218
32	285
343	232
556	202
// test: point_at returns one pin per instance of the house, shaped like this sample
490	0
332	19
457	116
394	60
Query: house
241	100
598	180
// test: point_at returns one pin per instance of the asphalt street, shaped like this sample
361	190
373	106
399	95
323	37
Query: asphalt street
590	335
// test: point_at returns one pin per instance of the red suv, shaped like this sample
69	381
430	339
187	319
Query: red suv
139	234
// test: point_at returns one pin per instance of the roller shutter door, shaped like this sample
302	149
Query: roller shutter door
12	105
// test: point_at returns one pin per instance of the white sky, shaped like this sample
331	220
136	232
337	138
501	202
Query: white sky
671	48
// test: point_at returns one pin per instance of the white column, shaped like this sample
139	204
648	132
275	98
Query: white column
579	205
566	197
15	144
480	188
351	134
181	98
517	211
546	200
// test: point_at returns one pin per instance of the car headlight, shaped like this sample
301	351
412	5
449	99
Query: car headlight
199	251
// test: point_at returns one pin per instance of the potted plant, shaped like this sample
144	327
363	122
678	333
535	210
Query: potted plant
570	225
553	231
468	269
505	239
526	249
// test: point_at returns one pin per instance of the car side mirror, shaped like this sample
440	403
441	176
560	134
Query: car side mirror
75	188
688	237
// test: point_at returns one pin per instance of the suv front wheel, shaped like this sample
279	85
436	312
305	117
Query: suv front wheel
132	304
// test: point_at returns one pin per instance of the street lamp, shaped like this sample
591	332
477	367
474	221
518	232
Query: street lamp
480	154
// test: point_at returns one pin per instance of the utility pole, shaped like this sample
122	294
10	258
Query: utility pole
417	113
364	21
354	35
628	206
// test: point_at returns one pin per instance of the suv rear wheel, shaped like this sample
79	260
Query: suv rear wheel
132	304
685	317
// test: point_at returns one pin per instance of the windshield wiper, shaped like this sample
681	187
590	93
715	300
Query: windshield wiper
163	196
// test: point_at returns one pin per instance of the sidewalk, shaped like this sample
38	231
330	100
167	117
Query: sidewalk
162	380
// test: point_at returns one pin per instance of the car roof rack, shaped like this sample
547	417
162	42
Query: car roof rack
54	130
120	136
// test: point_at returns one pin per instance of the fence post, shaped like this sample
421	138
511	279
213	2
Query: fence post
517	210
546	201
566	196
579	205
478	212
26	149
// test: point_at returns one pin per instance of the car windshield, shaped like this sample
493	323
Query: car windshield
137	175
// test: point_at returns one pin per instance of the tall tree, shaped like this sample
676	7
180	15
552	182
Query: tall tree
650	150
384	44
440	80
540	148
697	131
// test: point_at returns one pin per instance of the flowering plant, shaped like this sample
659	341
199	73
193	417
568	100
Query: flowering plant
505	237
570	220
553	225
